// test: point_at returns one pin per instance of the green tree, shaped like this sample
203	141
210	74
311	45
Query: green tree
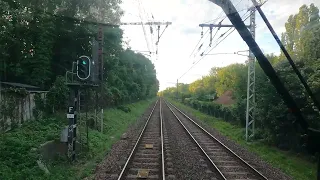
299	29
40	39
232	77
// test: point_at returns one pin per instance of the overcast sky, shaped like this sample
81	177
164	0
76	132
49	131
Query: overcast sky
179	39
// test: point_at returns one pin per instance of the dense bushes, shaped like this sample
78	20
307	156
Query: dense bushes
211	108
18	159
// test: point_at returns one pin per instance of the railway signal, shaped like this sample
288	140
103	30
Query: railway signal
83	67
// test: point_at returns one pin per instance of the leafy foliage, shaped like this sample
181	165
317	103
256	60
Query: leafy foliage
17	159
41	39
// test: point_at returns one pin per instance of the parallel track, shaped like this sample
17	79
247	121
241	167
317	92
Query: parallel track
144	158
227	163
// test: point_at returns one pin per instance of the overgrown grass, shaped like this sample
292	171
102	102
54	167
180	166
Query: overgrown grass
115	124
18	161
289	163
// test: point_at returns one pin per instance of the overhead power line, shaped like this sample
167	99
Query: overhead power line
210	43
146	14
194	64
198	43
206	35
226	17
227	35
234	53
213	47
199	48
143	28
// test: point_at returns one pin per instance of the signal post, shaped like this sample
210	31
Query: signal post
85	73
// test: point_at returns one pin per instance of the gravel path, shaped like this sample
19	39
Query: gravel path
253	159
110	167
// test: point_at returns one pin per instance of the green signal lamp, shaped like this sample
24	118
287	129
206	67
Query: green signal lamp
83	67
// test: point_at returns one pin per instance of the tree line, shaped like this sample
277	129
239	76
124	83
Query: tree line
274	123
39	40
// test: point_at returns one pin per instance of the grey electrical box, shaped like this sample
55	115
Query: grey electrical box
64	135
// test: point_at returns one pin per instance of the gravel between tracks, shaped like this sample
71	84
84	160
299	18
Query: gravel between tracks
117	155
253	159
188	161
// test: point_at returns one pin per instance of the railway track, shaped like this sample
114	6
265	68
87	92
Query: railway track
188	162
163	143
146	159
224	161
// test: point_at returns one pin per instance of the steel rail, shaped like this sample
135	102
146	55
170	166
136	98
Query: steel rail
203	151
162	148
135	146
223	145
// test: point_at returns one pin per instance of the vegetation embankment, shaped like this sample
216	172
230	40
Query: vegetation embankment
20	148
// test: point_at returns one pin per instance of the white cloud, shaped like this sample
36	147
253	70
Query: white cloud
180	38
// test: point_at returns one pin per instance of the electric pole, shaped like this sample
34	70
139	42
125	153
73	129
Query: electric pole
250	117
177	88
101	63
251	72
